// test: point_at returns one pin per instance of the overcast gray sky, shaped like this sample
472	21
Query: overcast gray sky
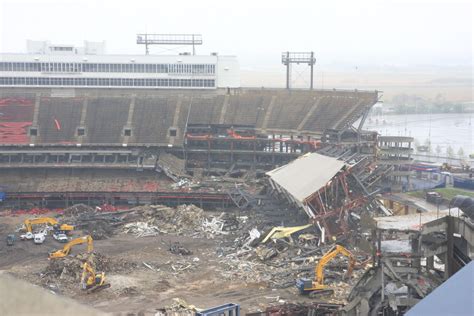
362	32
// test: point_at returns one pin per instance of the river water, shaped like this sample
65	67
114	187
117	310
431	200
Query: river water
443	130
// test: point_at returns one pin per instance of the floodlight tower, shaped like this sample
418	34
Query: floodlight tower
288	58
169	39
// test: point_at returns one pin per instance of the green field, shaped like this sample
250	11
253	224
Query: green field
447	193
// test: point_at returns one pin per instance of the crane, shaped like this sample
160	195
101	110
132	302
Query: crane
92	281
316	287
67	247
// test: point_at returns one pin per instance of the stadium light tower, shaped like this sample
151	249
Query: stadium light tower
288	58
169	39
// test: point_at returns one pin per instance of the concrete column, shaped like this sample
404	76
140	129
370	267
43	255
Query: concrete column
430	263
448	263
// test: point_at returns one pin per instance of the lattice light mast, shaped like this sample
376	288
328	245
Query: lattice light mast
288	58
169	39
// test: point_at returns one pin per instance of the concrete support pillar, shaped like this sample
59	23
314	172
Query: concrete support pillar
415	246
430	263
448	263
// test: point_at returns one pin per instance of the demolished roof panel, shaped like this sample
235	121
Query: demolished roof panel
305	175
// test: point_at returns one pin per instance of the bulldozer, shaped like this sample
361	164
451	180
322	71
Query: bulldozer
316	287
67	247
92	281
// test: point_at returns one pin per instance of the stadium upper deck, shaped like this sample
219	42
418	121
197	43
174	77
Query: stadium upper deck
160	117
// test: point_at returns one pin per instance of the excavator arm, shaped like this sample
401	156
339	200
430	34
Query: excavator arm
316	286
67	248
41	220
319	273
46	220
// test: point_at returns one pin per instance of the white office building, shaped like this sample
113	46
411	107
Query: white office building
48	65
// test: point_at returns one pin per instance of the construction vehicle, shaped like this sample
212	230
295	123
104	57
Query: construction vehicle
67	248
28	223
92	281
317	287
433	197
10	240
60	236
39	237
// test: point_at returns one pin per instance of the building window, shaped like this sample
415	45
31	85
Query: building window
33	131
106	82
173	132
81	131
204	69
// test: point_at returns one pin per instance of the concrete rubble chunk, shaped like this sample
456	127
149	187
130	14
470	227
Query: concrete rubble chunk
141	229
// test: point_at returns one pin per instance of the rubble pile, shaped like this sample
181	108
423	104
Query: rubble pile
178	307
150	220
95	222
279	262
184	218
99	230
68	270
77	209
141	229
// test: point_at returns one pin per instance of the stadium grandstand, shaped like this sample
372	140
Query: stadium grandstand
78	109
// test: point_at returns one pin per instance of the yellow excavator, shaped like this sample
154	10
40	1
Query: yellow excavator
46	220
67	248
316	287
92	281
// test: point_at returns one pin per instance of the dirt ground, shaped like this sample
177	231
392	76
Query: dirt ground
141	289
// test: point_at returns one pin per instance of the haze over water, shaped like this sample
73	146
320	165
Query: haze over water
453	129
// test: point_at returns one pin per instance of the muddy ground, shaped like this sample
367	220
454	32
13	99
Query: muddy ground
205	283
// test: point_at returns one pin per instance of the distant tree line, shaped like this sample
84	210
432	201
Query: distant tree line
413	104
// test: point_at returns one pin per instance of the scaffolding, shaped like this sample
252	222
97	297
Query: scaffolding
169	39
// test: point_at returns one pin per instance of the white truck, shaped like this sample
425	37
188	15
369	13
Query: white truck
60	236
27	236
39	238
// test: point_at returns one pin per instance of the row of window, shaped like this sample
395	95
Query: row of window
81	131
207	69
106	82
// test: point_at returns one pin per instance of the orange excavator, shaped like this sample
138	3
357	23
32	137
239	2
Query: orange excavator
317	287
46	220
67	248
92	281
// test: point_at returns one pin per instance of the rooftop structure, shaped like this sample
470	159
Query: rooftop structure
47	48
